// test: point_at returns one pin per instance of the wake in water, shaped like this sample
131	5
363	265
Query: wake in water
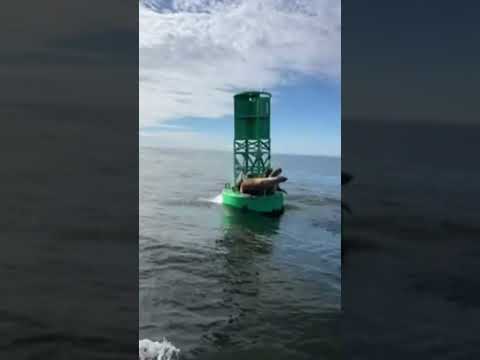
215	200
154	350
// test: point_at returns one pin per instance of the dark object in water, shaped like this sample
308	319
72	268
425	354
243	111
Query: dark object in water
346	178
346	208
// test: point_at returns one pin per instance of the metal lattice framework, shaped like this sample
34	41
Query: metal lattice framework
251	157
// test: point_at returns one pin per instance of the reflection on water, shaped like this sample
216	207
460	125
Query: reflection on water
238	221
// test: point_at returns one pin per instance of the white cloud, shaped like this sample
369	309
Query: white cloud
182	139
194	54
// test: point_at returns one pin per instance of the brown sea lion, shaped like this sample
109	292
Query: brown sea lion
274	173
261	186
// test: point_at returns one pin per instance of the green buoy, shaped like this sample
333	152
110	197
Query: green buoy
251	153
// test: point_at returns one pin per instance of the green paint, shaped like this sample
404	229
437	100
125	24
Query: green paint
251	145
251	152
264	204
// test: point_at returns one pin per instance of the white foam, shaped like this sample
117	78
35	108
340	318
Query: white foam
155	350
216	200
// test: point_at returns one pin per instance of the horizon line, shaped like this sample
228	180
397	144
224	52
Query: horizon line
225	150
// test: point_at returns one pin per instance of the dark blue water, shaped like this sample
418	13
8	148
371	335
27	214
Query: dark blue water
219	283
410	271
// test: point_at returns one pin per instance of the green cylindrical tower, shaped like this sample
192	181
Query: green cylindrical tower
251	147
251	152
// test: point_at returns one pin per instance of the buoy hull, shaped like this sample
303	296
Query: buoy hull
267	204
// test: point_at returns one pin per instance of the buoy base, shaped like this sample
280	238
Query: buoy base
266	204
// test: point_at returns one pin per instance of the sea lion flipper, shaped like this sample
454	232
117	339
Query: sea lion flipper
276	172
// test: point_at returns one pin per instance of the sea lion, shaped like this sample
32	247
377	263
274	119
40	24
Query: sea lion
268	172
261	186
274	173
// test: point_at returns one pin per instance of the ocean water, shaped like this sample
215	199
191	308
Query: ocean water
216	282
69	227
410	274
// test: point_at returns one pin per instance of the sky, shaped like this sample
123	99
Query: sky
194	55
